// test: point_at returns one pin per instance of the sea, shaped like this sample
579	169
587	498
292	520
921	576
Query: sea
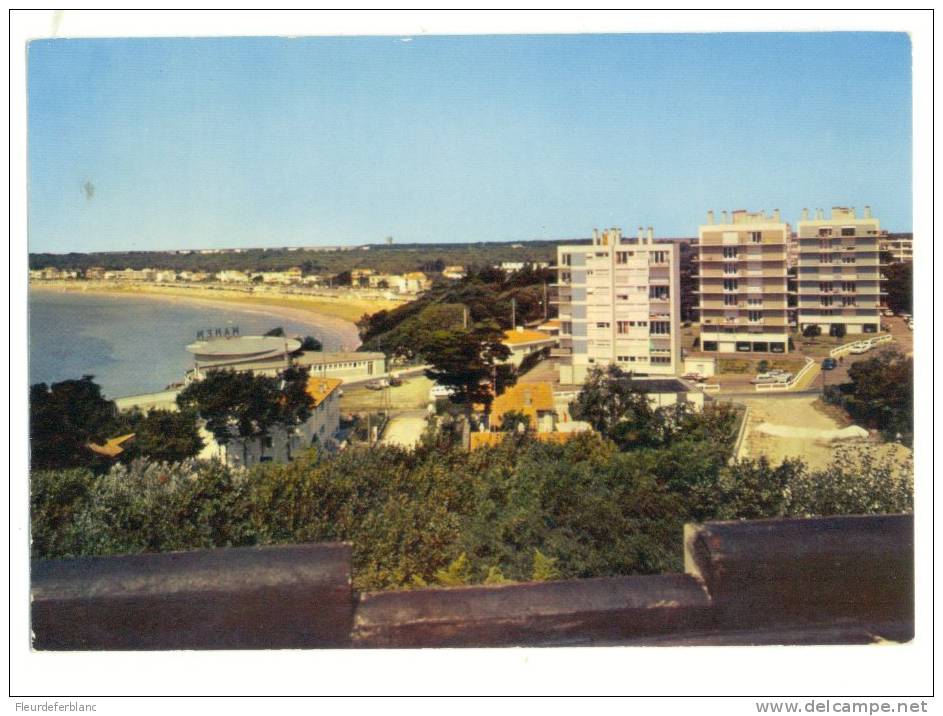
137	344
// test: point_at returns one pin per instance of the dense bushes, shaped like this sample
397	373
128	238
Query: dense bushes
879	394
438	513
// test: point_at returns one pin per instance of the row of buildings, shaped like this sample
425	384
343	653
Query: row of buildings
619	297
408	283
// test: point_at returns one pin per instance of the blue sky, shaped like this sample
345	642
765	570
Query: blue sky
174	143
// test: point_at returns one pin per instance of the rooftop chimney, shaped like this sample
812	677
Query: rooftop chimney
651	235
641	234
776	216
867	212
724	214
805	214
710	216
595	237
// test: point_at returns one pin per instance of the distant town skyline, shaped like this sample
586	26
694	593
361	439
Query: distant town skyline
165	144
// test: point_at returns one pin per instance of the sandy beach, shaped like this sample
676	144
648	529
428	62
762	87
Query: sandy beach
339	312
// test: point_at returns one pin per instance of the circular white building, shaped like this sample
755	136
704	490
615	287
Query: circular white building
239	350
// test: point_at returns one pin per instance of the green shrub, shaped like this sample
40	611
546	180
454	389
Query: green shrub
437	514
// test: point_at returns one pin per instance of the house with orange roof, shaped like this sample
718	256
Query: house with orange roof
283	444
111	447
524	341
535	400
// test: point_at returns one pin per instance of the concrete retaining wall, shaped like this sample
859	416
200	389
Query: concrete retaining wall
821	580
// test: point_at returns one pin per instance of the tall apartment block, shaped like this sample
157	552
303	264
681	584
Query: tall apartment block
620	304
742	283
839	276
900	249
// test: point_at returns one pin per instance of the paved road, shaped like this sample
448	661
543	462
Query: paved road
405	429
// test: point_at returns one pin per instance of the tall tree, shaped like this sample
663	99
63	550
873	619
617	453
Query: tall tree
466	360
880	393
64	418
161	436
233	404
899	285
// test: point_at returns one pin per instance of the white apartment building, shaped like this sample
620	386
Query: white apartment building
839	275
742	283
620	304
901	249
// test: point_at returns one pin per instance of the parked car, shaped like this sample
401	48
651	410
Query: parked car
378	384
829	364
440	391
696	377
394	381
859	347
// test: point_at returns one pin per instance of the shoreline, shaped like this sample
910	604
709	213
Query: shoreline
316	310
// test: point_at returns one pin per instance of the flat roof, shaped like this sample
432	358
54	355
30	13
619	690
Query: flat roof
659	385
244	346
522	336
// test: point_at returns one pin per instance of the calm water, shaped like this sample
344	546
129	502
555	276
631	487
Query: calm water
134	344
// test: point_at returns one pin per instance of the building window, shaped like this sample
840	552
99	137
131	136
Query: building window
658	292
730	252
730	284
622	297
754	316
730	300
849	301
848	259
658	257
825	232
622	257
825	258
602	324
659	328
825	287
756	237
661	360
848	231
848	286
622	326
754	301
825	300
730	268
565	259
709	346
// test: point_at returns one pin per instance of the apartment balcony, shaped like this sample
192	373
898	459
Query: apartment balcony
766	258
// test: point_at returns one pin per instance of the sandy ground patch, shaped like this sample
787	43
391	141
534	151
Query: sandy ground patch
790	426
405	429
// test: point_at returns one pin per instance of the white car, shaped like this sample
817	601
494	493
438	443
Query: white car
440	391
860	347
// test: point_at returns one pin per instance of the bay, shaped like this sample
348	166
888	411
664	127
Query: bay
137	344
